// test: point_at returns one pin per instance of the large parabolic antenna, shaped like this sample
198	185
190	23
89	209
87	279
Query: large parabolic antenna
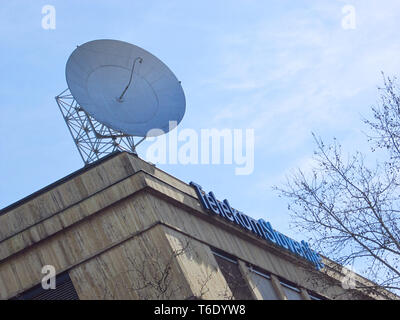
118	91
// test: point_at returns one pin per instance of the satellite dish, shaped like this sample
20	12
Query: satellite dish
125	87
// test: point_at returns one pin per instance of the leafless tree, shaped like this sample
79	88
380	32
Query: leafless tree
151	277
350	208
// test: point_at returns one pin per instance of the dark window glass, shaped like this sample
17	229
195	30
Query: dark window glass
230	269
315	296
263	283
291	292
64	291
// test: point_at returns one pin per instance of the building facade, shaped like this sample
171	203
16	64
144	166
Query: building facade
123	229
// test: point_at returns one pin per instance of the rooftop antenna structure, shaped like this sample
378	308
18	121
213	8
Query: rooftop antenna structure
118	95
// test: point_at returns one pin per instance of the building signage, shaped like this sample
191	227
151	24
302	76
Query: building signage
259	227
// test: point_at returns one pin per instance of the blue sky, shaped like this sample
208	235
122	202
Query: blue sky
284	68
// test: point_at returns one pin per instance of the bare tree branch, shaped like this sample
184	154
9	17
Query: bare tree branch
349	208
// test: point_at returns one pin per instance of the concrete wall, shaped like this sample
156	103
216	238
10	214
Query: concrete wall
103	222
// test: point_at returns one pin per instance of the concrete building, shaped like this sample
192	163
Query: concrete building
123	229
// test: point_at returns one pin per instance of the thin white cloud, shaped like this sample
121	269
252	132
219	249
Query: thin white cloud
288	79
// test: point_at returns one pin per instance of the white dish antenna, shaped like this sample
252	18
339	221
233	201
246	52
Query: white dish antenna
118	91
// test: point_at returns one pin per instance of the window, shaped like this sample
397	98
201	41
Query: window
291	292
64	291
230	269
263	283
314	296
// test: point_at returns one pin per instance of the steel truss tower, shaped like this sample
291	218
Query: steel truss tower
93	139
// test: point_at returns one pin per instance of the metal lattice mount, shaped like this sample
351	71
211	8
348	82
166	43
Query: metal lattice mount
93	139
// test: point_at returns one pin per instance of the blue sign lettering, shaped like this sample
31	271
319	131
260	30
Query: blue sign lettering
261	228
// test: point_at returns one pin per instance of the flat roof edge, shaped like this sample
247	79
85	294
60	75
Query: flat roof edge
72	175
